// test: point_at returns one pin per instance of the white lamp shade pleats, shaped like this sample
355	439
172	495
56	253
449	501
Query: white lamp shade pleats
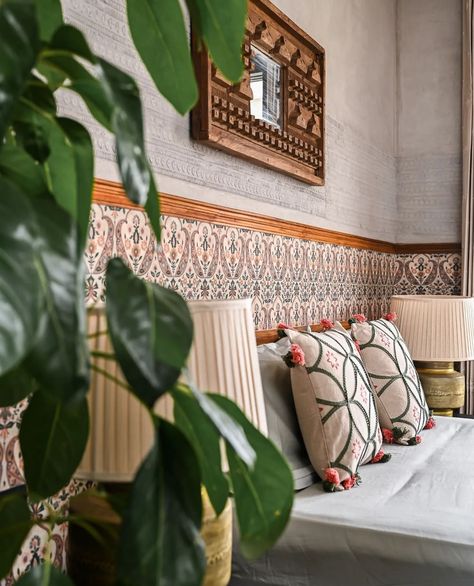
224	355
223	359
436	328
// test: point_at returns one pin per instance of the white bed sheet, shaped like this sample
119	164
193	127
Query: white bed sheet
411	522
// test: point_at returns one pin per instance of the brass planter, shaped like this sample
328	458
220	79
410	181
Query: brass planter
94	564
443	386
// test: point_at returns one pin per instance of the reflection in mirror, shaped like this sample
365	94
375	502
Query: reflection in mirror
265	82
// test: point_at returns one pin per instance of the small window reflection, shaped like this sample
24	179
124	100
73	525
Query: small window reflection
265	84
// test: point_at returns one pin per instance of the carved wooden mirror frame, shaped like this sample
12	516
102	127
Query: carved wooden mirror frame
222	117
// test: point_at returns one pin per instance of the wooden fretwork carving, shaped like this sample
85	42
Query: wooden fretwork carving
222	117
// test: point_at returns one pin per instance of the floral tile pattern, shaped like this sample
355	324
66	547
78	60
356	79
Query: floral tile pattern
290	280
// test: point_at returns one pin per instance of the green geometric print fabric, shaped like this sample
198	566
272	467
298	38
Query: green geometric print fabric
400	398
334	403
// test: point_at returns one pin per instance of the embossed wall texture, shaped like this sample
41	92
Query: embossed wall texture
289	279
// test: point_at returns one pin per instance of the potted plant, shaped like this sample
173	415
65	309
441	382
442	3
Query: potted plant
46	184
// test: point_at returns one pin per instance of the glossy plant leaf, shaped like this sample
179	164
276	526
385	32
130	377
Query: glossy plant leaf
263	495
44	575
18	167
71	169
160	542
222	25
80	81
205	439
19	44
20	281
231	431
50	17
159	34
32	138
53	437
15	385
15	523
59	357
152	208
151	331
127	125
68	38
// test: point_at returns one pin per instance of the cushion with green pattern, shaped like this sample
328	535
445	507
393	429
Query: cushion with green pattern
400	398
334	403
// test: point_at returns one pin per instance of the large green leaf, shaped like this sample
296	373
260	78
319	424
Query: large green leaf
17	166
160	544
127	125
59	357
151	331
50	17
20	284
53	436
205	439
159	34
152	208
222	27
71	169
44	575
263	495
19	44
15	385
70	39
15	522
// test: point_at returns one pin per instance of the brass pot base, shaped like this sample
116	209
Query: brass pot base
443	386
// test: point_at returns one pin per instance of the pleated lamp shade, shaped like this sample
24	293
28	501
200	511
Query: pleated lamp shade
436	328
223	360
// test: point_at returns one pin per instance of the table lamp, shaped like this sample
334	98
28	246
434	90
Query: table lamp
438	330
223	359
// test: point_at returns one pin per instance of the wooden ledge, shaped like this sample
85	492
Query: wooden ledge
111	193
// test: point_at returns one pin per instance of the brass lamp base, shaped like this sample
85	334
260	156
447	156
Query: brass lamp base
93	563
443	386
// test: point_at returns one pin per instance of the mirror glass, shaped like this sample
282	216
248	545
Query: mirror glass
265	82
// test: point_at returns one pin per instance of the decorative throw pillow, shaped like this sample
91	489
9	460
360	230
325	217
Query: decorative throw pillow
335	406
282	422
402	408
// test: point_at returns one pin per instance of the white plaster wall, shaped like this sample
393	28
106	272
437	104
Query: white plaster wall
360	192
429	120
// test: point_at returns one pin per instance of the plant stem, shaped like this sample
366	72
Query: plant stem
105	355
111	377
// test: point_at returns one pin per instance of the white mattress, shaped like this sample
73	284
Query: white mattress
410	523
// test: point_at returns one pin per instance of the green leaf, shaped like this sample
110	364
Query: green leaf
32	138
160	544
44	575
15	385
152	208
71	169
15	523
17	166
50	17
59	358
151	331
231	431
160	36
69	38
57	67
205	439
53	436
19	44
127	125
222	26
20	285
263	495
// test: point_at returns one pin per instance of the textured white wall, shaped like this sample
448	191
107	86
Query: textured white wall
360	193
393	121
429	120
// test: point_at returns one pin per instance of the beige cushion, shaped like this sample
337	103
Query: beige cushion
400	397
334	403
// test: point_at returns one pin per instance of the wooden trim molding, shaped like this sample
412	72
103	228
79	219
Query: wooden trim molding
111	193
268	336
